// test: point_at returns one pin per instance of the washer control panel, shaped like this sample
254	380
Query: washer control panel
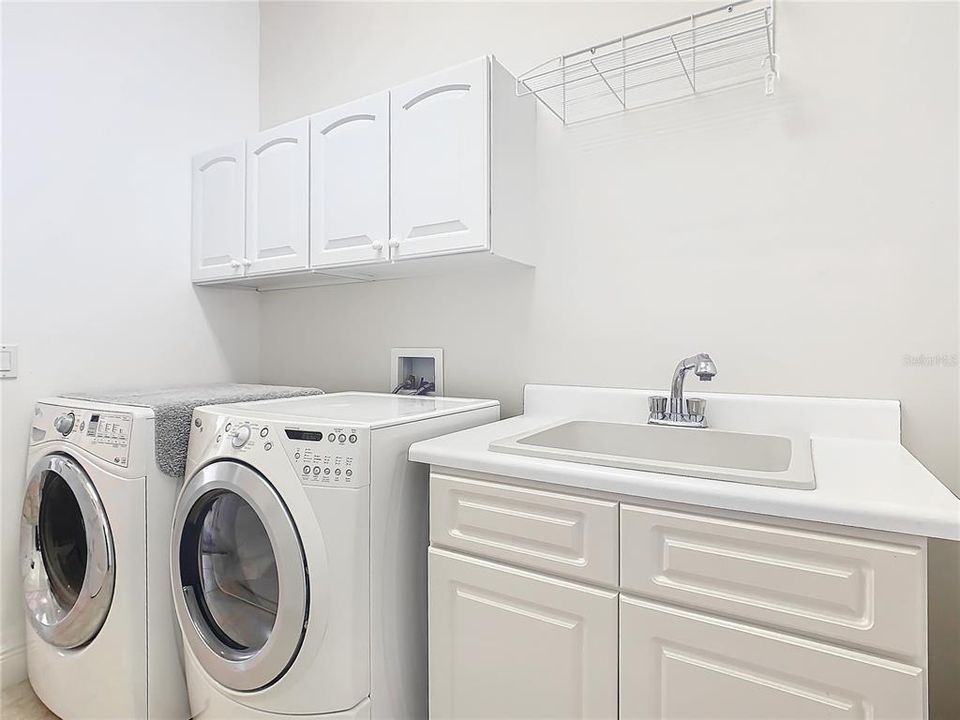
105	434
328	455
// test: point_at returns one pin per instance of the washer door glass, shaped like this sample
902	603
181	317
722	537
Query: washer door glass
63	540
240	576
66	553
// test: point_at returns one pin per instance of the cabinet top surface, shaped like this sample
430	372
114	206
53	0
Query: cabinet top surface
864	477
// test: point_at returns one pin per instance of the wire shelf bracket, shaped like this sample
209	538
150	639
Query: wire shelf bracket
727	46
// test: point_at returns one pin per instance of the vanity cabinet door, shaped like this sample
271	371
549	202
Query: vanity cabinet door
507	644
278	182
682	665
350	183
217	213
439	162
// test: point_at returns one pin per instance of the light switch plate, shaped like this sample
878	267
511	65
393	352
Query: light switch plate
8	361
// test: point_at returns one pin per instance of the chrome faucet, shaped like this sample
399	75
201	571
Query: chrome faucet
676	411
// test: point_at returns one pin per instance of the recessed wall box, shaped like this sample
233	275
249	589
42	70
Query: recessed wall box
416	371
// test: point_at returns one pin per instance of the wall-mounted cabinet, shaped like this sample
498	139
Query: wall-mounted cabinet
219	240
439	181
278	183
435	174
350	183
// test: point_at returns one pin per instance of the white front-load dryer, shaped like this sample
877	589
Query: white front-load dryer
94	538
271	580
298	556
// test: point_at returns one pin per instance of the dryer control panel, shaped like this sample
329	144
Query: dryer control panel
328	455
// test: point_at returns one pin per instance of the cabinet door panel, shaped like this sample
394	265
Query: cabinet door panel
217	213
350	183
278	181
682	665
509	644
439	162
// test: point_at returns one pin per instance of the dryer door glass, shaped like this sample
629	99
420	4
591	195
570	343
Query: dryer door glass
66	553
240	589
242	594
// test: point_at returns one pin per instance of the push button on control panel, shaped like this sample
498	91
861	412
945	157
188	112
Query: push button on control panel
323	456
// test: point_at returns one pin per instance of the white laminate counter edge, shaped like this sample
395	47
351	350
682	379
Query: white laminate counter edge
861	482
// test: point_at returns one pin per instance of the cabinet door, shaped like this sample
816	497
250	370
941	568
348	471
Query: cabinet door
510	644
350	183
682	665
217	210
278	181
439	162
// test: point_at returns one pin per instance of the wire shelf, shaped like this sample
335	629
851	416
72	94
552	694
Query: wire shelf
724	47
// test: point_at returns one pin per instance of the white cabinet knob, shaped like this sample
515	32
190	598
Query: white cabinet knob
247	263
234	264
377	246
394	243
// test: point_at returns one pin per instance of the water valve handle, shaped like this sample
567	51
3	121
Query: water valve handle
658	404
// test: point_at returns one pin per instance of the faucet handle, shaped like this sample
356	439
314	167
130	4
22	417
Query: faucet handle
658	405
696	406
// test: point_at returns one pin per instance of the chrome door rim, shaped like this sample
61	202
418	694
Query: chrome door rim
236	669
77	625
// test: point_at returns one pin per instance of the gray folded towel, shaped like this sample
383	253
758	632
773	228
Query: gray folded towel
173	408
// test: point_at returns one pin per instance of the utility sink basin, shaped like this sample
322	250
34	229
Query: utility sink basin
774	460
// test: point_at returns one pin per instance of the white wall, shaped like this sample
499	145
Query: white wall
808	241
103	104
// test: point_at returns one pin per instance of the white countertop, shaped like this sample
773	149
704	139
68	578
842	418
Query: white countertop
870	481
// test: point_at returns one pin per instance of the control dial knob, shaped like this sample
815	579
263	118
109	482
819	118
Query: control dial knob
242	436
64	423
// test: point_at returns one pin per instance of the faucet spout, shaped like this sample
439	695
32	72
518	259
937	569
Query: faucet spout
702	366
677	412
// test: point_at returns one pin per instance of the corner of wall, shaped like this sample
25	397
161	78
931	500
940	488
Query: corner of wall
13	665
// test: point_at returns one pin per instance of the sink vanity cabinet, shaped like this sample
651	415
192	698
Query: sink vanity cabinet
550	602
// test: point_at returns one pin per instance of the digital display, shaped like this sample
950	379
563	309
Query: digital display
92	427
305	435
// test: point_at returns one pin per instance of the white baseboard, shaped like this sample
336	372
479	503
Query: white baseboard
13	665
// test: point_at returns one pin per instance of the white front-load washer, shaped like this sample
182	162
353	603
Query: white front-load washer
298	556
94	556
